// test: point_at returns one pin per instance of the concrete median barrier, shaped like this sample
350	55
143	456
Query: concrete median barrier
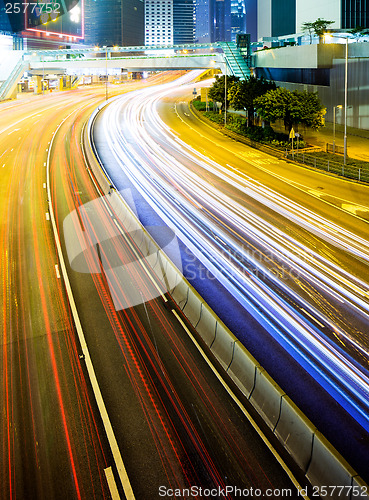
296	433
266	397
207	324
192	309
242	369
180	293
327	467
223	345
360	489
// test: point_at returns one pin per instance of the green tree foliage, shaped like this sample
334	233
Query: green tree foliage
318	27
242	94
291	107
308	28
217	91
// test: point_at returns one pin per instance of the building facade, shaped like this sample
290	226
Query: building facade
238	18
114	22
158	22
169	22
214	20
285	17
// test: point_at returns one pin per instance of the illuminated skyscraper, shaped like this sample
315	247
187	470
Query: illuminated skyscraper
114	22
213	20
238	18
169	21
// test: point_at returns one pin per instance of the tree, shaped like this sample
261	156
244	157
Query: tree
359	32
217	91
318	27
291	107
308	27
242	94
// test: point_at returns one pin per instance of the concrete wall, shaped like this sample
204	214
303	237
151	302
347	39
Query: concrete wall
302	56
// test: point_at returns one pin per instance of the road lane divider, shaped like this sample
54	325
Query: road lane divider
123	476
296	433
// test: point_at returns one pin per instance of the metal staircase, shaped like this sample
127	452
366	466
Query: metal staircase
236	62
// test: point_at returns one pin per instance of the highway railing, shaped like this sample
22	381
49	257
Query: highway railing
350	171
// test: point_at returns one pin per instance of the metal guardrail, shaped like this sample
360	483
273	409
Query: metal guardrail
335	149
359	173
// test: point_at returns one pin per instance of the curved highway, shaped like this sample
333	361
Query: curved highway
174	424
296	263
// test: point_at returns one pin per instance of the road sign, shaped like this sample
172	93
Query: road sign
292	134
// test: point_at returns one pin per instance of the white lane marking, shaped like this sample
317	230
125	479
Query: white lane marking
57	271
47	216
45	164
123	476
15	130
241	406
44	185
111	483
312	317
4	165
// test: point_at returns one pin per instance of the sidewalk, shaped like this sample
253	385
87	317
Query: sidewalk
357	139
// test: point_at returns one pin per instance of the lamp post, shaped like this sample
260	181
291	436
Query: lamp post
346	91
345	133
43	74
334	126
225	91
106	72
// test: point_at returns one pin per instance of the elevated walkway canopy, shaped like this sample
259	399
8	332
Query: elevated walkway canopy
231	57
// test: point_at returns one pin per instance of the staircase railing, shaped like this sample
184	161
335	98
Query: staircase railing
12	79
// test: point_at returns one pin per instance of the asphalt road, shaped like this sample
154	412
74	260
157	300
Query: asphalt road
175	425
342	203
277	200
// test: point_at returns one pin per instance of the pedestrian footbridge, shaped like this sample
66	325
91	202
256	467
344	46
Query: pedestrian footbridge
230	57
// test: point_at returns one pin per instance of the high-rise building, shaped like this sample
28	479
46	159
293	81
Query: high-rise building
285	17
252	19
213	21
203	22
114	22
238	18
169	22
276	17
158	22
183	21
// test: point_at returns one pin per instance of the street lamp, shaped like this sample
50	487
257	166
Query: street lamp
225	92
339	106
345	133
345	105
106	72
